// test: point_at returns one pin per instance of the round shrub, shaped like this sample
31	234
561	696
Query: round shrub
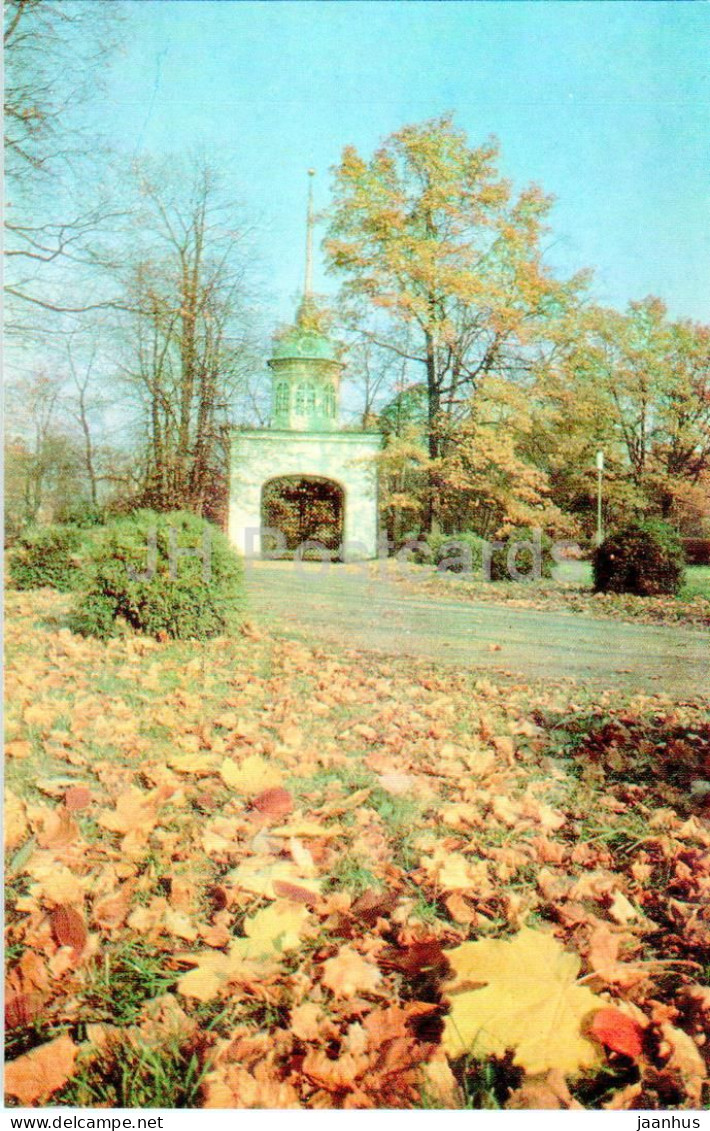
523	555
46	556
450	553
167	575
645	558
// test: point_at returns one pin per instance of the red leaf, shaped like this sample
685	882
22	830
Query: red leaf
618	1032
21	1009
295	892
274	802
68	928
77	797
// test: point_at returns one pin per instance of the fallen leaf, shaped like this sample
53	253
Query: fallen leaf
18	748
262	879
21	1009
275	928
58	829
274	802
134	810
77	797
308	1022
373	905
543	1093
307	829
685	1062
348	974
529	1002
617	1032
621	910
251	776
197	763
14	820
68	928
36	1075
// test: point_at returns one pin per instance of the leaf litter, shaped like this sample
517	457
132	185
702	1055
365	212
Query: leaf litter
298	879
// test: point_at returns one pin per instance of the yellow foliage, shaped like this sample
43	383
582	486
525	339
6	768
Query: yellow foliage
520	994
251	776
275	928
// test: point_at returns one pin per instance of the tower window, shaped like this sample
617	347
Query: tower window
300	399
310	398
283	399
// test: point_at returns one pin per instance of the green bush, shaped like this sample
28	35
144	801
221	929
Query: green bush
140	572
524	555
450	553
46	556
81	513
645	558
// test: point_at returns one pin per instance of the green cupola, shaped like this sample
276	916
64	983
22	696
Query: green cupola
304	364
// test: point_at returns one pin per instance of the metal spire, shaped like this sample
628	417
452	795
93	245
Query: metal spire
308	287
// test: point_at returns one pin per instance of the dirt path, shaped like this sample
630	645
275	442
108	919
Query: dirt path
349	606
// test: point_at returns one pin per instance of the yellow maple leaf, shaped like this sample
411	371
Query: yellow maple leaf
213	970
275	928
521	994
251	776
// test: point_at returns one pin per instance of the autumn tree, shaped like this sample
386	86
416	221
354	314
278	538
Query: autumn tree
637	386
433	237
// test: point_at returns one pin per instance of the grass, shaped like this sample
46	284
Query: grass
353	875
571	589
697	584
123	980
128	1076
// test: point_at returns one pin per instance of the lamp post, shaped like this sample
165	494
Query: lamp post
600	472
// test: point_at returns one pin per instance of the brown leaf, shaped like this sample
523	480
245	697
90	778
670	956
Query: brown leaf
58	829
373	905
111	910
77	797
543	1093
36	1075
18	748
685	1061
348	974
422	956
275	802
68	928
21	1009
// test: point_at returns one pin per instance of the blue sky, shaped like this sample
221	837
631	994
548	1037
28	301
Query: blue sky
606	105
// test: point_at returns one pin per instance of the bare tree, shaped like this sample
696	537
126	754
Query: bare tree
189	331
55	54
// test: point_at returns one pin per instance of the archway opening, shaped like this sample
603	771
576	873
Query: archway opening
304	508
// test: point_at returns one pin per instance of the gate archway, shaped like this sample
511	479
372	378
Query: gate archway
304	508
